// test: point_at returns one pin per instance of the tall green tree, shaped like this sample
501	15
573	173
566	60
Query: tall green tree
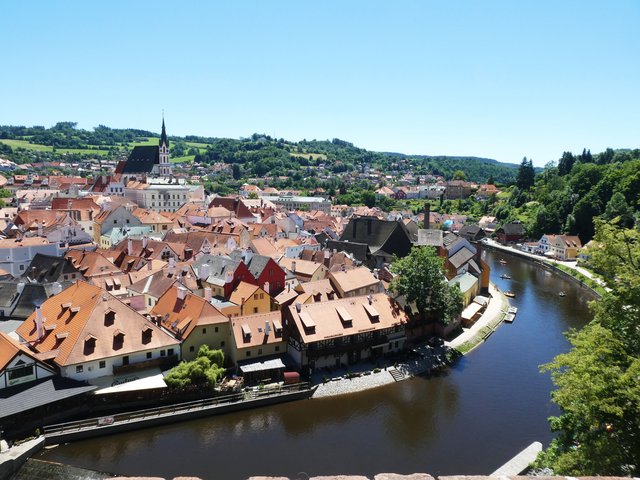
526	175
566	163
421	280
598	381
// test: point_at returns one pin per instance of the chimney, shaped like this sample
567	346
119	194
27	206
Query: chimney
204	271
242	300
145	241
267	328
149	265
427	214
41	229
207	294
129	247
298	307
293	266
39	323
266	287
182	292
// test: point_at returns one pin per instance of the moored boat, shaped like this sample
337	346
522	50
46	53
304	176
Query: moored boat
510	294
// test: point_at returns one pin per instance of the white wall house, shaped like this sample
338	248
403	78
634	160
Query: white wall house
16	254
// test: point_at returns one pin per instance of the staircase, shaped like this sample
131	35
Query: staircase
396	374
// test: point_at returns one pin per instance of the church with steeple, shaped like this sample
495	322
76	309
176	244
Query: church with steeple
148	160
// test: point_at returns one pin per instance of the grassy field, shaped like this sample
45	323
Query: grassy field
46	148
186	158
315	156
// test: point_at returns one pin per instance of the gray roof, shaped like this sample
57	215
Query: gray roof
142	159
461	257
430	237
48	268
257	264
360	251
18	399
218	265
374	232
260	365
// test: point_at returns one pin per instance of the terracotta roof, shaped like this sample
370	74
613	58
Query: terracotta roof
302	267
9	348
243	290
92	264
150	216
347	316
353	279
79	313
264	246
255	326
182	316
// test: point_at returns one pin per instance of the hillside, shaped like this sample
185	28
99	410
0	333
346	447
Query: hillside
256	156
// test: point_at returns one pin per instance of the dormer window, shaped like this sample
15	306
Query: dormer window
147	333
118	339
109	317
345	317
89	344
246	333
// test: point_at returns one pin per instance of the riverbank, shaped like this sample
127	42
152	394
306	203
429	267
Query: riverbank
366	376
569	269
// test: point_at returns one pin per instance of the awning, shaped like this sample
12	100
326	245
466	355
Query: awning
141	380
262	365
469	312
20	398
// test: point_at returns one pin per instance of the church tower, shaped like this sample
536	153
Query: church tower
164	164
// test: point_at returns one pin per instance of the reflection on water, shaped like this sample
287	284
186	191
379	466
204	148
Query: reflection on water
493	403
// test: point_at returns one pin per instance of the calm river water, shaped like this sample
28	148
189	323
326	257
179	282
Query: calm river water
489	406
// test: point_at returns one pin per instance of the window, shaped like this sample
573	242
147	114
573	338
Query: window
21	267
248	353
115	221
79	368
255	309
261	296
162	353
149	354
204	331
125	360
170	352
127	220
66	277
259	351
215	329
192	348
255	297
222	343
102	364
20	372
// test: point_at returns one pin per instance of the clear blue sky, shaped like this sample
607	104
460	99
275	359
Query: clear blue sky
499	79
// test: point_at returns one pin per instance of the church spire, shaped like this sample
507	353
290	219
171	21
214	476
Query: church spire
163	135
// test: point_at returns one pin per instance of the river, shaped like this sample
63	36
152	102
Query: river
489	406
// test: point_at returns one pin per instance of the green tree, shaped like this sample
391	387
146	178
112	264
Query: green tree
598	381
421	280
566	163
205	370
459	175
618	208
526	175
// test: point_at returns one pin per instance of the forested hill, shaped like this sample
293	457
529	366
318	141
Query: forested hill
257	155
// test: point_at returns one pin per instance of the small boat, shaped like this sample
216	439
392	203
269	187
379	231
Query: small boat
562	294
505	276
503	261
510	294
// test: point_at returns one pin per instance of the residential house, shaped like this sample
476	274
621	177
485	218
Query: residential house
258	346
50	268
88	333
150	218
304	270
356	282
193	320
510	232
566	247
546	244
268	274
16	253
221	274
106	220
248	299
344	331
19	365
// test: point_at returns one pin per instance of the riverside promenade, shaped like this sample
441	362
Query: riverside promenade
343	381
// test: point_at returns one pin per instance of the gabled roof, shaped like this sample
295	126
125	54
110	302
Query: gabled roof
78	313
513	228
373	232
9	348
432	237
353	279
218	266
305	268
48	268
461	257
181	316
244	291
319	321
154	285
91	264
142	159
257	264
255	325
